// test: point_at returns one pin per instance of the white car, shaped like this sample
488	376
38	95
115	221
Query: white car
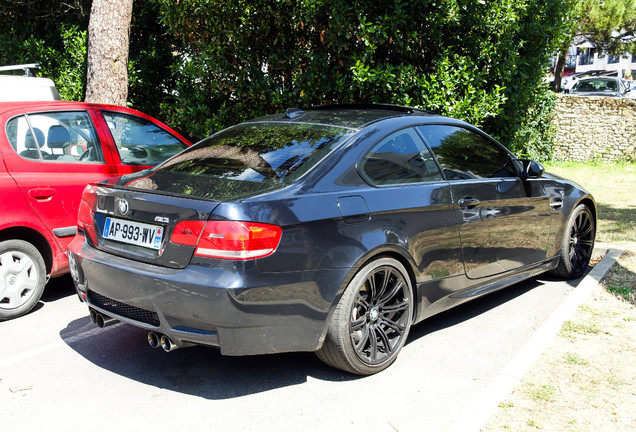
600	86
14	88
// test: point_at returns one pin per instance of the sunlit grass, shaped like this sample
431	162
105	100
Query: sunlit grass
613	186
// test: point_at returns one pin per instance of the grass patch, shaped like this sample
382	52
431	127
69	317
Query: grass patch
540	393
615	381
570	329
620	291
620	280
612	185
574	359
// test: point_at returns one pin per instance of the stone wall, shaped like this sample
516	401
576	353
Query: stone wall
590	127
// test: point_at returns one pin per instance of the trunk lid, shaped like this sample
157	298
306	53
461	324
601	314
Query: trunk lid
138	224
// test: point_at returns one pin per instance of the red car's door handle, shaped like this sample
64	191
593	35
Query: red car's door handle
42	193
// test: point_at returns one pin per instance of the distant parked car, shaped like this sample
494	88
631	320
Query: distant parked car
600	86
332	230
49	151
26	87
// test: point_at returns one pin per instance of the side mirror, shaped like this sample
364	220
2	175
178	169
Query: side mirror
534	169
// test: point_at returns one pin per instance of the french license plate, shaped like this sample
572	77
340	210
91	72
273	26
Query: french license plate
136	233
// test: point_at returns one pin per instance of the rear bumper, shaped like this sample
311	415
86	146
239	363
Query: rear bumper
230	305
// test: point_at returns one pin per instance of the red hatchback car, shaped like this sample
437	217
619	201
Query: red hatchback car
49	151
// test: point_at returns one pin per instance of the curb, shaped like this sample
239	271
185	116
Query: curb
504	383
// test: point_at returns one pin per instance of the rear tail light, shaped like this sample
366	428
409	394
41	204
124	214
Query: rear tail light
228	239
85	214
187	233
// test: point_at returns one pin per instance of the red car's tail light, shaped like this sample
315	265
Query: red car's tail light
86	211
228	239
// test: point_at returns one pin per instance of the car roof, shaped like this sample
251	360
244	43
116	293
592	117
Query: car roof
30	106
599	78
27	88
354	116
48	105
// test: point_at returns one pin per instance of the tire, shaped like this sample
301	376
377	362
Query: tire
22	278
371	321
577	245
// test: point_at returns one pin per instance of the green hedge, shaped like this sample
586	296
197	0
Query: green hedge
202	65
481	61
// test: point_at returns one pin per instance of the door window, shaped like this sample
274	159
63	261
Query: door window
465	154
139	141
55	136
400	158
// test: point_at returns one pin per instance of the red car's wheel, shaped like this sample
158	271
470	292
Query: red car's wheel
22	278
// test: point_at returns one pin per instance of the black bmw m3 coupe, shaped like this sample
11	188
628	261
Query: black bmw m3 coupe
333	229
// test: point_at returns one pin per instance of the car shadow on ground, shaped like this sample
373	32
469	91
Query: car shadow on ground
56	289
202	371
480	305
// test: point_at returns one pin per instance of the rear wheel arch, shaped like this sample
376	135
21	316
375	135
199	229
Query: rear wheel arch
33	237
408	266
397	254
371	320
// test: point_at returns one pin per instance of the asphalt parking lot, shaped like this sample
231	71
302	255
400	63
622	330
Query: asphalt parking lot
60	372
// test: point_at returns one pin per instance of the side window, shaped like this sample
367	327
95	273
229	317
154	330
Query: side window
464	154
400	158
139	141
55	136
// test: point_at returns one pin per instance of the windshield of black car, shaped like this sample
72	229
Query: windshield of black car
245	160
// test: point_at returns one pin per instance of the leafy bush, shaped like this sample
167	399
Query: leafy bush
46	33
202	65
481	61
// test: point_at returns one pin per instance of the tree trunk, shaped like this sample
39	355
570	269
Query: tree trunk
108	43
558	70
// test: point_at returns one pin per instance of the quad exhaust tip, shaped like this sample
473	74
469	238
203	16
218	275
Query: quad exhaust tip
167	344
100	319
153	340
158	340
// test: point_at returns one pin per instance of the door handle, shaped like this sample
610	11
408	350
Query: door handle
42	194
468	202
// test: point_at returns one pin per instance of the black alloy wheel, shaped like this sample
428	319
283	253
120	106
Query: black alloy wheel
578	244
372	320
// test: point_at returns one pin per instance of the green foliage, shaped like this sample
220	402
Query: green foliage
66	67
151	61
534	138
202	65
53	35
481	61
600	19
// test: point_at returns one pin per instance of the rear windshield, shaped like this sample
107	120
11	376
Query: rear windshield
245	160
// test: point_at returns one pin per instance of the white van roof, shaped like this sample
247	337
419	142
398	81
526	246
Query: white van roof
26	88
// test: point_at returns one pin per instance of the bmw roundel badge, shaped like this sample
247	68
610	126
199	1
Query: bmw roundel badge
123	206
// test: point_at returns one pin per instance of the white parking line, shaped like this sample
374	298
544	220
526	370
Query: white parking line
54	345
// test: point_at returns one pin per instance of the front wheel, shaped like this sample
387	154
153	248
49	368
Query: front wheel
371	321
577	245
22	278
